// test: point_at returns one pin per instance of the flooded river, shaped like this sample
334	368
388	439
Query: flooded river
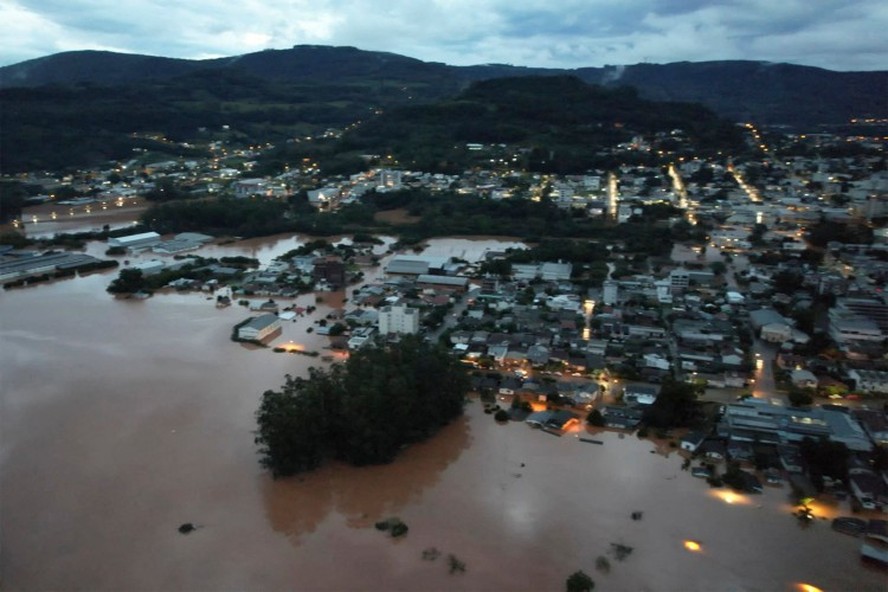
122	420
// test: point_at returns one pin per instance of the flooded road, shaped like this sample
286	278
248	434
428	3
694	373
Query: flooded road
122	420
46	220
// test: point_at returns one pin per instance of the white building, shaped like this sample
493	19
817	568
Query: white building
776	332
389	179
248	187
871	381
664	291
398	319
611	292
323	197
679	279
131	241
845	328
360	337
259	328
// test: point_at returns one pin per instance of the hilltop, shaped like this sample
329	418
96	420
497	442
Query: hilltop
765	92
85	107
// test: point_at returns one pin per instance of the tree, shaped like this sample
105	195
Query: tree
675	405
128	281
579	581
595	418
799	397
12	198
825	459
291	426
165	190
362	412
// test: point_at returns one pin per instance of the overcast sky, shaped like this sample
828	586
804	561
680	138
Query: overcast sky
834	34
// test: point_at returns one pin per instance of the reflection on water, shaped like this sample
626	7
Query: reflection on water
122	420
362	495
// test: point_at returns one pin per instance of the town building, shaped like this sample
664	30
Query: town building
398	319
258	328
135	241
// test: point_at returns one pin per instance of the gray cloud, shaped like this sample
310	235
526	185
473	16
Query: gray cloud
835	34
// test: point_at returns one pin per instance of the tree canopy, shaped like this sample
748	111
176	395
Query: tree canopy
675	405
363	411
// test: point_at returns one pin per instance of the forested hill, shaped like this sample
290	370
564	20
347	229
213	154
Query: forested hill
564	124
739	90
82	108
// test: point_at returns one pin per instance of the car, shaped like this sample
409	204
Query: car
772	477
867	503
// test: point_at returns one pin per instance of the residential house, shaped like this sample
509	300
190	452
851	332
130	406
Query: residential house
803	379
360	337
616	416
692	440
713	449
640	394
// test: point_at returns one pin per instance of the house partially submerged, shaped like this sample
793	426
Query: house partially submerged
641	394
258	328
624	418
552	419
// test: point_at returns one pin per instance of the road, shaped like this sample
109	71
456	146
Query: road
450	321
765	386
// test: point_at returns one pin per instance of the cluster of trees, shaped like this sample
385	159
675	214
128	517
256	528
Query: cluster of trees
676	405
825	458
363	411
441	214
131	280
258	217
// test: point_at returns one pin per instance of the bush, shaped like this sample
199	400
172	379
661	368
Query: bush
579	582
394	526
595	418
800	397
502	415
455	565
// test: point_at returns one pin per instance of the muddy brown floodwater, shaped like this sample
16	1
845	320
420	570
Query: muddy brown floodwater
122	420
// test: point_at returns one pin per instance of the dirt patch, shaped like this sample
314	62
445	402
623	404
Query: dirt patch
399	216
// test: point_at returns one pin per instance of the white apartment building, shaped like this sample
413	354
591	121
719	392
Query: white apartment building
398	319
611	292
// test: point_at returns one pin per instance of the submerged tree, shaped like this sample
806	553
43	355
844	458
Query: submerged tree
579	581
363	411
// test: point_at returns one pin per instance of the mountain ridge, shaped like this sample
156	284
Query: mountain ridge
765	92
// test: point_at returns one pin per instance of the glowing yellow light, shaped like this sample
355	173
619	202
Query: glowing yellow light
693	546
802	587
729	497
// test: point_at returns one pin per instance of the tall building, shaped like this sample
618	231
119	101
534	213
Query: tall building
390	179
398	319
611	292
679	279
331	270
